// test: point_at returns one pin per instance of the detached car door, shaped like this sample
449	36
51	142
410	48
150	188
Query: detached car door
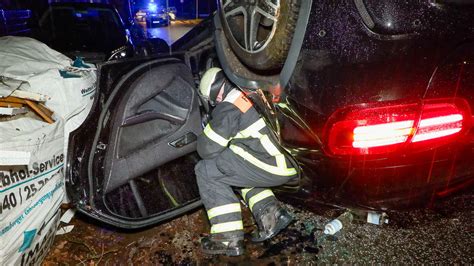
131	163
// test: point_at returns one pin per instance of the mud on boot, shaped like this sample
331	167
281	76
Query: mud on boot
271	221
216	245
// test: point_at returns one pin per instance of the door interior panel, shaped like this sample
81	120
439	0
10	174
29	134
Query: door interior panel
137	136
166	188
171	103
159	107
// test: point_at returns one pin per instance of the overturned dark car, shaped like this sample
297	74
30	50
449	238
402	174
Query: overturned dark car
373	99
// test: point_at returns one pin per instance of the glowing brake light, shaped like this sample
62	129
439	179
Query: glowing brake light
377	129
382	134
438	121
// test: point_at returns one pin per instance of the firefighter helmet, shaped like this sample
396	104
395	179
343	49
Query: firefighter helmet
211	84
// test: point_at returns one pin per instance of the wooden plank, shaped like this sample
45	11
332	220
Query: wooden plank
39	112
45	110
11	99
12	105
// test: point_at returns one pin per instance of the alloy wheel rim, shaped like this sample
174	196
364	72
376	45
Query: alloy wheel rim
252	23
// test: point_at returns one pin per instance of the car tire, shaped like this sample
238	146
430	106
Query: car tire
267	45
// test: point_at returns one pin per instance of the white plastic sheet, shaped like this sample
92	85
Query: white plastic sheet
32	187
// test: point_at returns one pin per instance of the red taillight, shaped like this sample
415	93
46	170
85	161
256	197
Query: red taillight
382	134
438	120
365	129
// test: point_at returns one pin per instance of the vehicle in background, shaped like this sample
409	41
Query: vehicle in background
171	11
15	22
153	18
92	31
154	15
157	19
140	16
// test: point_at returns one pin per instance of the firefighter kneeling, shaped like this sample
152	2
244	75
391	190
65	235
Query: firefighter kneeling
239	154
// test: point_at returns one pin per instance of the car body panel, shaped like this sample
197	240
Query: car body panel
338	60
343	63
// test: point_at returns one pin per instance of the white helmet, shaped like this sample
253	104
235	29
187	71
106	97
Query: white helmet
211	83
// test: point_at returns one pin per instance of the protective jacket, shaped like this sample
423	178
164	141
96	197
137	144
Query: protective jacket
237	136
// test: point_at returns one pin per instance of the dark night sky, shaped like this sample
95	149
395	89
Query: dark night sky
183	7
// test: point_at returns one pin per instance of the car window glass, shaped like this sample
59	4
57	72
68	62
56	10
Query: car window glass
91	29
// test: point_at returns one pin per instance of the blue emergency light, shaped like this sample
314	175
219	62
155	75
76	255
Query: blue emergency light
152	7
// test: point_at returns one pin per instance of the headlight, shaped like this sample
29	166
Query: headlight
119	53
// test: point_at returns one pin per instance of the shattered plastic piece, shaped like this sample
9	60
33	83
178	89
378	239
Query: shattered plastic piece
308	227
65	74
64	230
12	111
68	215
28	237
79	62
377	218
371	217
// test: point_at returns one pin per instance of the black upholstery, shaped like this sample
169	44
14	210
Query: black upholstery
159	107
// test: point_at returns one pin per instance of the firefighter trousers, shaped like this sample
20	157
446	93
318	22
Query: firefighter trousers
218	196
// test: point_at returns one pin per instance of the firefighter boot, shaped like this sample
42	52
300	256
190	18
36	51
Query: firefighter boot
270	221
230	246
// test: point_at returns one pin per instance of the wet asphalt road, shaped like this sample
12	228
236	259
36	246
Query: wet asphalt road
172	32
441	235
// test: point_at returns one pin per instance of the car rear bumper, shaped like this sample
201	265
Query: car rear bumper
398	182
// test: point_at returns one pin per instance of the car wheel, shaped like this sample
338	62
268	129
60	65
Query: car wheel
259	31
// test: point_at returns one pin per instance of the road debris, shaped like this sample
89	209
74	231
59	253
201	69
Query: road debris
177	242
352	215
